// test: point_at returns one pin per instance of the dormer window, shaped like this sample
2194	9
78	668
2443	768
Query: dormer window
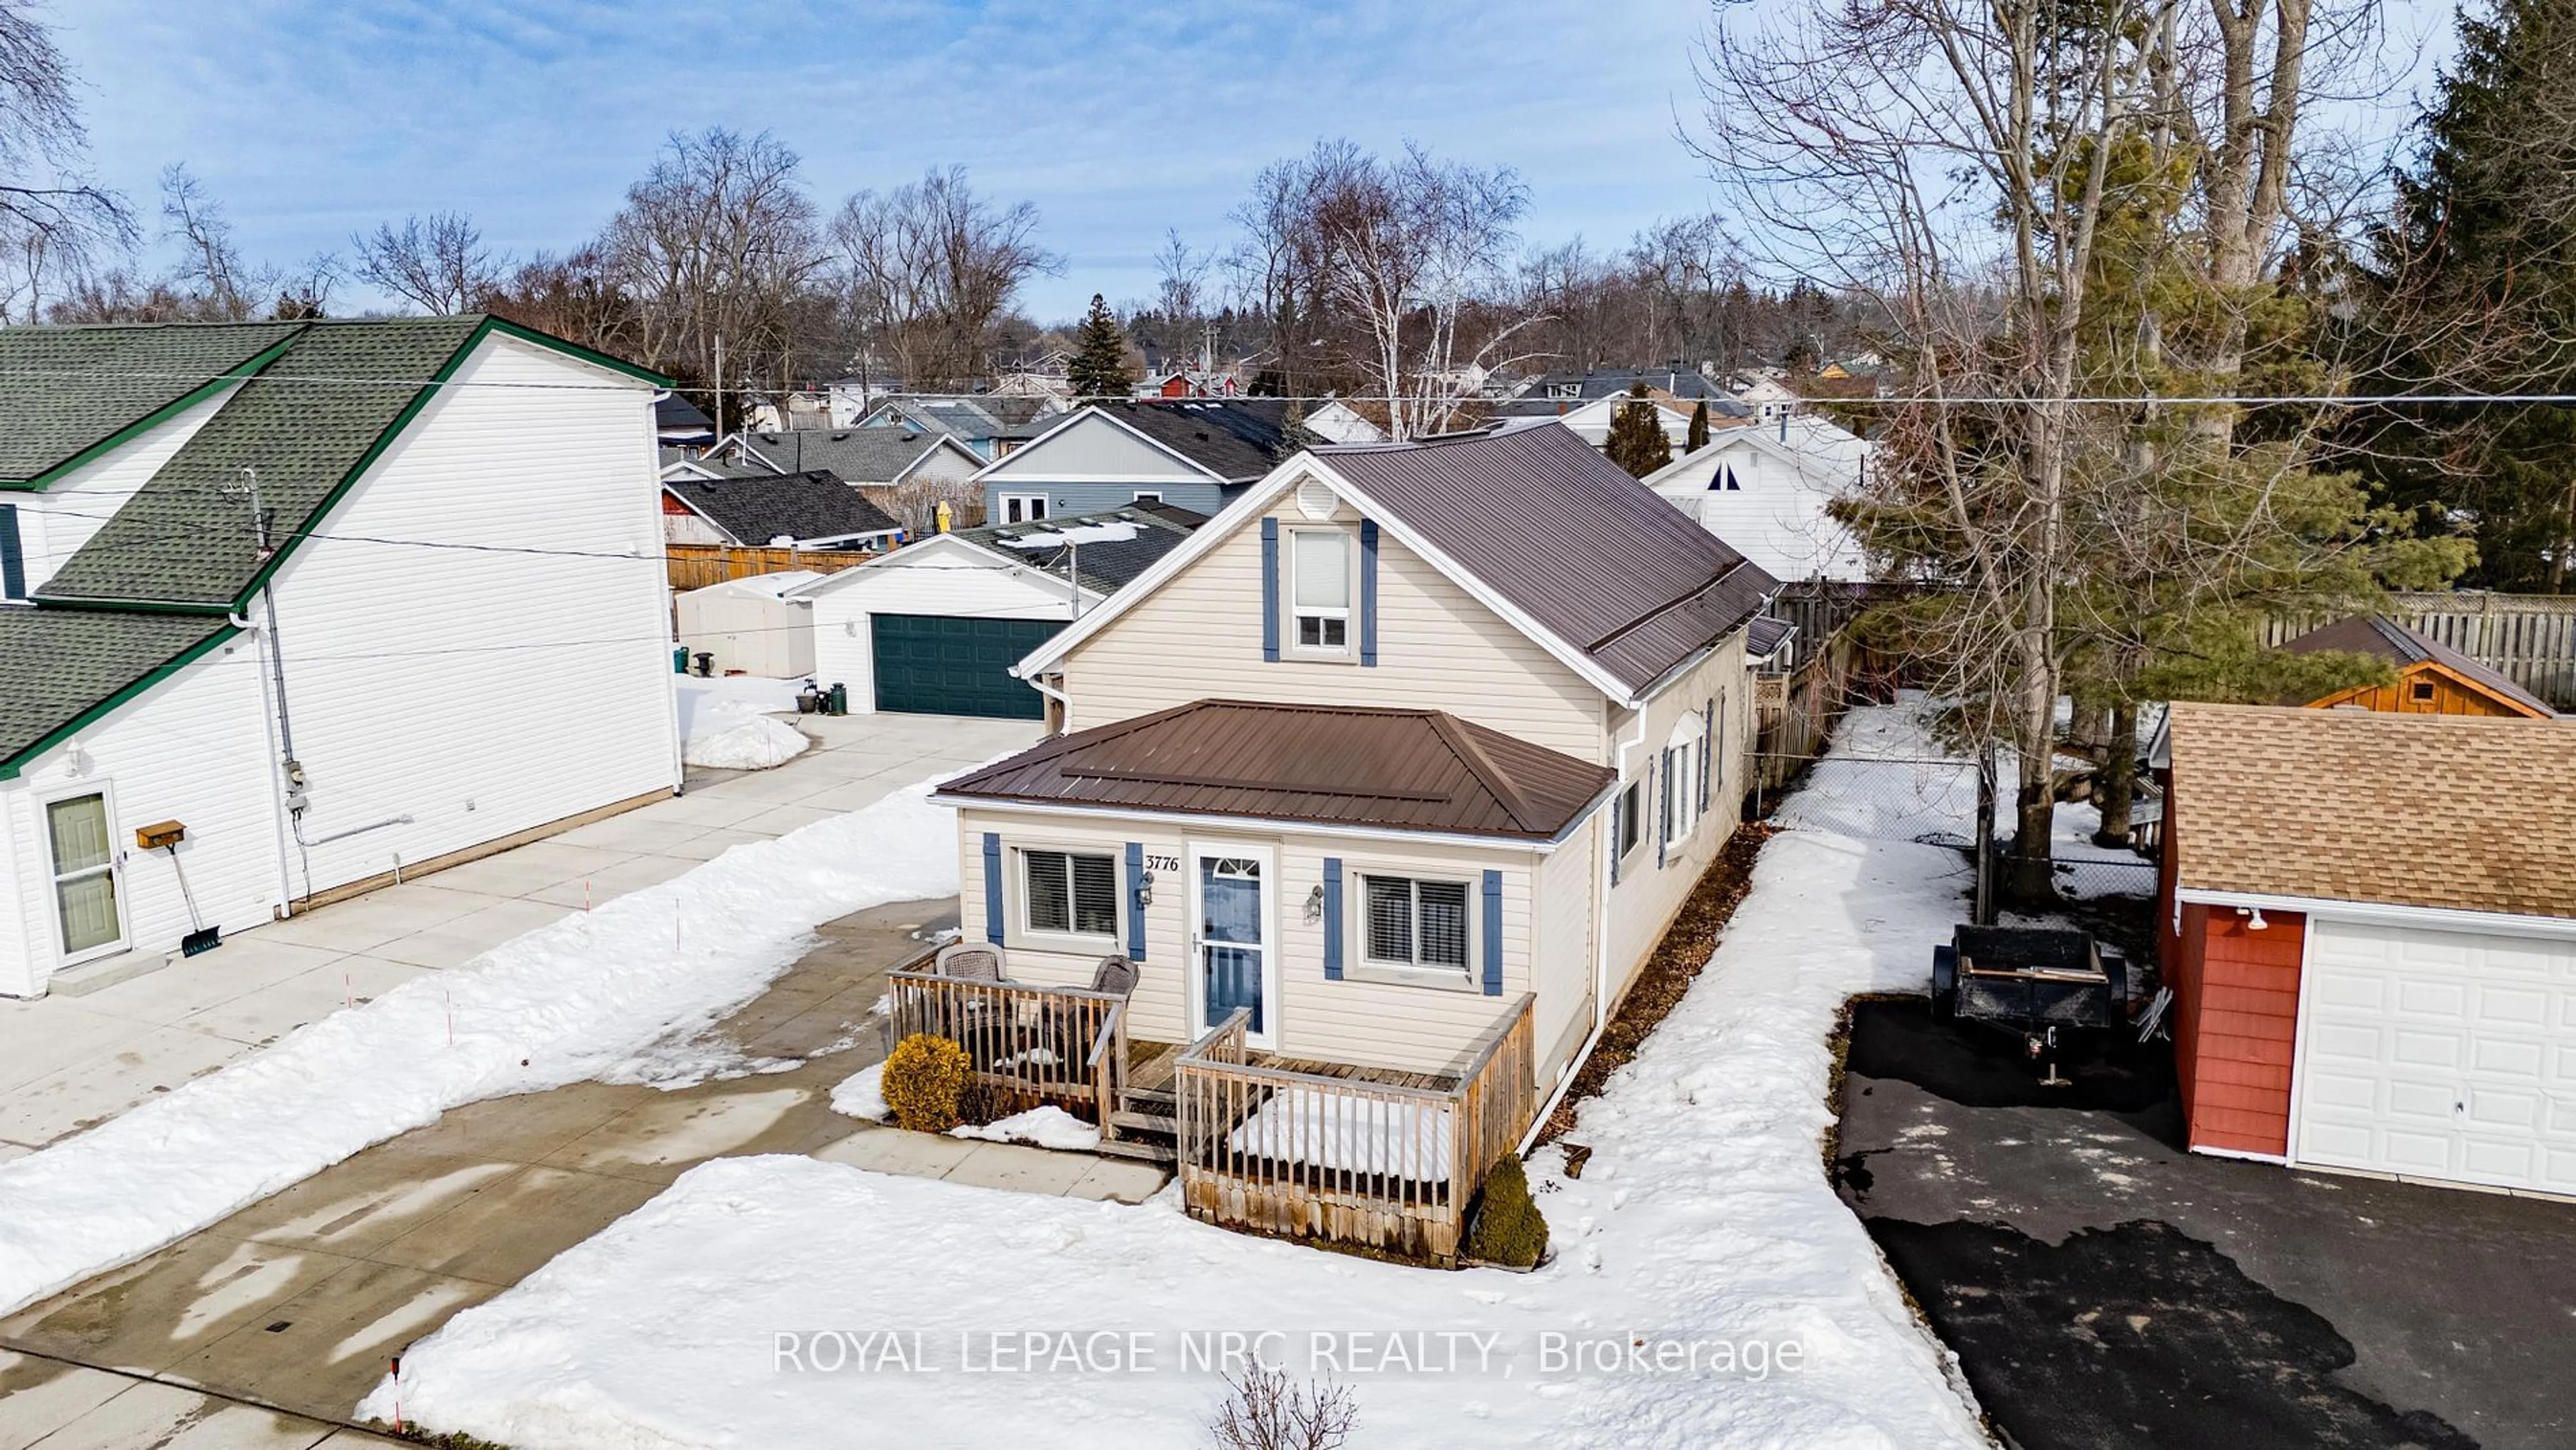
1319	601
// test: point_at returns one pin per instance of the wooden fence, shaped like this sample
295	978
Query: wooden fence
1346	1159
2530	639
695	566
1029	1045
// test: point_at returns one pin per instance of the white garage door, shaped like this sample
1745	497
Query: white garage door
2440	1054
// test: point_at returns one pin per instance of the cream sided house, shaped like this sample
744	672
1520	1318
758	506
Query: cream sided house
294	607
1409	755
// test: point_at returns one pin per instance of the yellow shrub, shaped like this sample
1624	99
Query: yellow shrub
925	1082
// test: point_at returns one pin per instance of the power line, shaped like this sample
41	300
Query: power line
1470	401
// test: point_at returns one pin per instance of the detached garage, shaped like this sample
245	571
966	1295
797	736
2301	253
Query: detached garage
2369	923
935	628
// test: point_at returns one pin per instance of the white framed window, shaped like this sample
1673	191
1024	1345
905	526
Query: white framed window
1149	495
1630	816
1023	508
1416	922
89	914
1320	574
1068	893
1681	790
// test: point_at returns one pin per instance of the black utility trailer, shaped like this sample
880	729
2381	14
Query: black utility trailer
2033	981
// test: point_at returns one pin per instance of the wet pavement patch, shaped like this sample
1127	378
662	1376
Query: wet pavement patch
2139	1335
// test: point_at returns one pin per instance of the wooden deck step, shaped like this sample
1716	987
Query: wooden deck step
1150	1152
1148	1100
1144	1123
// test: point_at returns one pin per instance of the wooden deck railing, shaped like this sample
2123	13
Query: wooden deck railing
1030	1045
1346	1159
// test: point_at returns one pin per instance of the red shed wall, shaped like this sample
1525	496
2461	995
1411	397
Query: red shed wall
2243	1013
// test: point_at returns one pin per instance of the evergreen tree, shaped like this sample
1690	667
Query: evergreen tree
1637	440
1698	428
1099	365
2477	288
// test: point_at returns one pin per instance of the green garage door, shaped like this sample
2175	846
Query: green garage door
929	664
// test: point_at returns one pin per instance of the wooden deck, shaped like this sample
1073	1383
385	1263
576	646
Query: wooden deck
1150	1066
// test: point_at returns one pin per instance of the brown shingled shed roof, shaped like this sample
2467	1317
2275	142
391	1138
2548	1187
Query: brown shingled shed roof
1404	770
2447	811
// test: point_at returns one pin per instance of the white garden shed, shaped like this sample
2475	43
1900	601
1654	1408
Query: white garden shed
752	625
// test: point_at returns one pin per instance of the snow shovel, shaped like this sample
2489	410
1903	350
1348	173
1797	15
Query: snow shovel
166	835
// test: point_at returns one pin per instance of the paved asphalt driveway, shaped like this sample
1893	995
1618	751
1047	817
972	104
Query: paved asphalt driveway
2103	1288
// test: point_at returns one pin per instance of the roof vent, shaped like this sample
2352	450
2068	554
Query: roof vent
1316	499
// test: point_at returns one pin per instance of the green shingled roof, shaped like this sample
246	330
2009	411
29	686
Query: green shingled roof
62	668
67	392
306	422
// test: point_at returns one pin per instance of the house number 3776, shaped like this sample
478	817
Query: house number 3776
1162	863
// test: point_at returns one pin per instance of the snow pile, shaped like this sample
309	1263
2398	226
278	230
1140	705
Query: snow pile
1047	1126
1703	1215
588	996
1367	1135
862	1094
726	737
1102	533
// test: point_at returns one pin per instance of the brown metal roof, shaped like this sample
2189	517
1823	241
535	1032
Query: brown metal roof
1404	770
2465	812
1591	555
2377	634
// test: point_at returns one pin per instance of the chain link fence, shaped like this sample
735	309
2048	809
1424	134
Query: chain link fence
1934	801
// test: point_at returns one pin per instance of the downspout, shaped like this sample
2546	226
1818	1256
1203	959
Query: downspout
1600	951
274	697
289	767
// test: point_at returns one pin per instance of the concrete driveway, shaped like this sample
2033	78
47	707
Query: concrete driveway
68	1062
2104	1288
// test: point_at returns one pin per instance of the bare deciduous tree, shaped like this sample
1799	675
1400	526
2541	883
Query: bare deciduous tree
1266	1410
437	263
925	269
53	219
713	249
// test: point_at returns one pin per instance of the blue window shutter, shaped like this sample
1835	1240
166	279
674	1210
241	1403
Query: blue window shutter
1618	830
1368	592
993	888
13	560
1332	918
1135	910
1270	589
1493	933
1707	749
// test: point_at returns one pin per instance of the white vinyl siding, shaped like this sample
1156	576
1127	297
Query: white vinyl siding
1438	648
483	692
191	749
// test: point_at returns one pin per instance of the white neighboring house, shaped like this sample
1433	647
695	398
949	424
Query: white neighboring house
1338	422
936	626
1591	422
390	686
1769	498
1768	397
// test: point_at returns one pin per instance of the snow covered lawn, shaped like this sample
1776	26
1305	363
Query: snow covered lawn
1703	1220
588	996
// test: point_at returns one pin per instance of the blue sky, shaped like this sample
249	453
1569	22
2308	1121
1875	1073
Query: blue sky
310	119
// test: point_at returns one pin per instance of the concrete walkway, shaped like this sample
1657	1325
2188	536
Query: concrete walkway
67	1063
294	1304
